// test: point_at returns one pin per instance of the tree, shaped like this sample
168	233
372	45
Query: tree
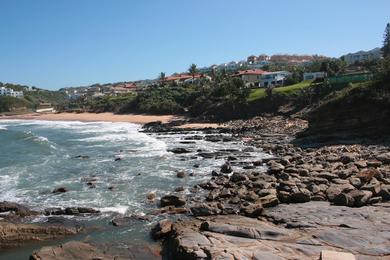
193	70
162	78
386	42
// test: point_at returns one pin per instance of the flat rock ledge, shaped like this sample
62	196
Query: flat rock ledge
76	250
312	230
71	251
14	235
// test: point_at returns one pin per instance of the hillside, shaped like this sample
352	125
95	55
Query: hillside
359	110
31	100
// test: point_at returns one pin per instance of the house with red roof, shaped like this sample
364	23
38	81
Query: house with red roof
250	77
180	78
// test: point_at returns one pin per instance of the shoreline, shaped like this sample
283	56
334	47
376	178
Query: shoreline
94	117
140	119
339	181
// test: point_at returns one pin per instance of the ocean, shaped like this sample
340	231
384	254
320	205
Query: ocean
38	156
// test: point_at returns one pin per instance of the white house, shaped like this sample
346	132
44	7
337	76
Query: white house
10	92
361	56
275	78
314	75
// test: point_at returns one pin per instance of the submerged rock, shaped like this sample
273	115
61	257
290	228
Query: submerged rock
60	190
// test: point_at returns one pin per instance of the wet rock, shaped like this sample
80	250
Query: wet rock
179	189
175	199
171	210
162	229
275	167
179	150
125	221
226	168
60	190
81	157
207	155
18	209
181	174
205	209
151	196
70	251
236	177
12	235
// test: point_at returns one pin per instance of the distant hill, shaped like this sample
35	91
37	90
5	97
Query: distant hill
32	98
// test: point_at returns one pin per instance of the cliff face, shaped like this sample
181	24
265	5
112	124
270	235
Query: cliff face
361	113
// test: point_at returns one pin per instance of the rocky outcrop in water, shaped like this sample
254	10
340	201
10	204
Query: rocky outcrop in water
13	235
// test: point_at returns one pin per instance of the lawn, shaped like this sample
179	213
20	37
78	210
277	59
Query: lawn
259	93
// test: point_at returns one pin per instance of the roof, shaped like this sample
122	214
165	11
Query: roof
130	85
182	77
250	72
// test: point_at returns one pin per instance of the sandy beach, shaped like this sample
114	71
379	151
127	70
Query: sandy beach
90	117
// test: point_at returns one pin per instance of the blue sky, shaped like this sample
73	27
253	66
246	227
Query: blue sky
58	43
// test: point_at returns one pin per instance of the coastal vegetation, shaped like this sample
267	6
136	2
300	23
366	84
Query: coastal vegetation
32	98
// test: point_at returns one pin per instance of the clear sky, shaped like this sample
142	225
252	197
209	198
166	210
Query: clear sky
58	43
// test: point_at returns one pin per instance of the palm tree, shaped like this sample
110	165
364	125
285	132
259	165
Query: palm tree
162	78
193	70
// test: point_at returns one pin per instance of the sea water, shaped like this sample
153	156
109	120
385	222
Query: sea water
39	156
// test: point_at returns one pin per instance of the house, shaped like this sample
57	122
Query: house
121	89
10	92
130	86
362	56
314	75
250	77
180	78
276	78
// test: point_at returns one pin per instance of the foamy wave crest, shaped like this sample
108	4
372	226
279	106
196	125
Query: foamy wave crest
118	209
3	127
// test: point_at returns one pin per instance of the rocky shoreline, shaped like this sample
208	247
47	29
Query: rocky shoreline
299	203
333	183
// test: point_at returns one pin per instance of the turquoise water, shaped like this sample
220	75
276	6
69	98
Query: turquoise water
38	156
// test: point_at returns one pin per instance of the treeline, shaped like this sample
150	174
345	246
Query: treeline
204	98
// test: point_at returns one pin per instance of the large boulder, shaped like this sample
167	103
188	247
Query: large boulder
252	210
173	199
162	229
384	157
18	209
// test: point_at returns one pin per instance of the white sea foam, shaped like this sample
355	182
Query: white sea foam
118	209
